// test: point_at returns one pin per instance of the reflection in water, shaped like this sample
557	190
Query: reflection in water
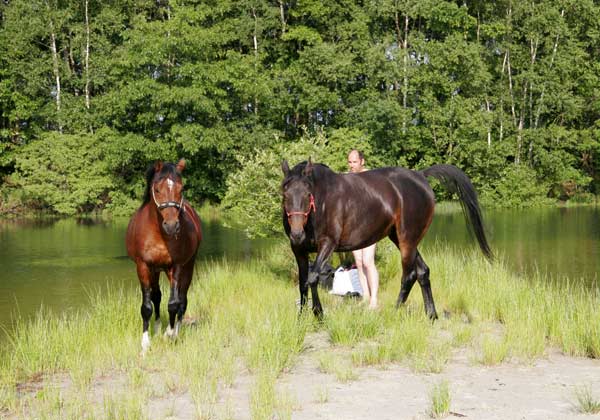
555	242
57	262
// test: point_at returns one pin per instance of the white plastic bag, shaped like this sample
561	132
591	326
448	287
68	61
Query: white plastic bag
346	281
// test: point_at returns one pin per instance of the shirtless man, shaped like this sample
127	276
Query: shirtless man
365	258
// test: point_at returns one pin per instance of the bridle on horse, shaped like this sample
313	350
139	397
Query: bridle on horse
311	206
167	204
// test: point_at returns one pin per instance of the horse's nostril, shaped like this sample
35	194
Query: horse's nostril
171	227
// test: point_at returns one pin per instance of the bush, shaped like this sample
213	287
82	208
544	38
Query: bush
253	198
517	186
63	173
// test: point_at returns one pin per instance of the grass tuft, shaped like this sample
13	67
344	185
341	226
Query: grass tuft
586	402
440	400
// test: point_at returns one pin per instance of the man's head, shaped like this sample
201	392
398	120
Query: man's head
356	161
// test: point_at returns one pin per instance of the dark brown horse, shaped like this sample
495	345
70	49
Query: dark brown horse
164	235
325	212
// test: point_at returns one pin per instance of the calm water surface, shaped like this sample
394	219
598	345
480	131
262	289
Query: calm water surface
556	242
56	263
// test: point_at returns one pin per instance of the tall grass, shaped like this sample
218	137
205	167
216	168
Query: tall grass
534	312
245	320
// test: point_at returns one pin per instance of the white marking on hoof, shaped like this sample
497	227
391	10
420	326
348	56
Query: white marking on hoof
177	326
170	332
145	342
157	326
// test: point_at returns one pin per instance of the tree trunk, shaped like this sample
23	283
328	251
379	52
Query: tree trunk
170	60
489	131
402	42
282	14
255	43
554	49
56	71
87	57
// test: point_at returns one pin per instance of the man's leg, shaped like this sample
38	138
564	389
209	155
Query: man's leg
362	274
368	262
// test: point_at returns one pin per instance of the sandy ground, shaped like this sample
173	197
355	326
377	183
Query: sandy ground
542	389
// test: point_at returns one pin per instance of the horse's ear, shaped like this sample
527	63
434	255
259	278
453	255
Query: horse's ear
308	168
180	165
285	167
157	166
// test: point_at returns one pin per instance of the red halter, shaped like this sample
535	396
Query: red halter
311	206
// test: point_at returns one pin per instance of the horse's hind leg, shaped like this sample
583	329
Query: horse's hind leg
173	306
413	269
409	274
155	296
185	281
423	278
180	278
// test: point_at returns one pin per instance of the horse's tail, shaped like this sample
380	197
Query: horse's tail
456	181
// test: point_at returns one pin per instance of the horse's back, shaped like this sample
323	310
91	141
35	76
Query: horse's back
388	198
394	184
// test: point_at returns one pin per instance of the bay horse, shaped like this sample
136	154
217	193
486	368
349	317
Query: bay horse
164	235
324	211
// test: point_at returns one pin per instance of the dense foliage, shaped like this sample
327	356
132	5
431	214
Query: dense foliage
92	91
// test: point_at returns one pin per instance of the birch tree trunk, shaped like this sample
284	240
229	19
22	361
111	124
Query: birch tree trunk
282	14
255	43
402	42
56	71
87	57
540	102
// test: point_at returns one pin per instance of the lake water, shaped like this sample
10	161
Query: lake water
56	263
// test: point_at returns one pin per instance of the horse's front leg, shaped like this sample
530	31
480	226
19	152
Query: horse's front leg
302	261
326	248
145	275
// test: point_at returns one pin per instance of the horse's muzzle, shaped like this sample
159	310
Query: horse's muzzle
297	237
171	228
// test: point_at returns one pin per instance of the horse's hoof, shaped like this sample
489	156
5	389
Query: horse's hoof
432	316
145	342
170	332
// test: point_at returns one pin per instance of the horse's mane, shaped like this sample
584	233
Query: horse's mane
319	170
166	170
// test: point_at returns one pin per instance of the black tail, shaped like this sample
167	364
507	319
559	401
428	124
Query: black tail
456	181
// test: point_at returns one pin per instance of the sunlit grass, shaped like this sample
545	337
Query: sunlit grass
244	321
339	365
